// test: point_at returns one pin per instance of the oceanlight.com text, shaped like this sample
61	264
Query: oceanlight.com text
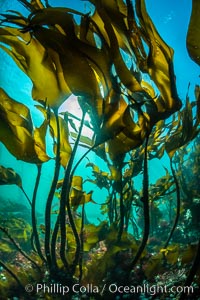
150	289
59	289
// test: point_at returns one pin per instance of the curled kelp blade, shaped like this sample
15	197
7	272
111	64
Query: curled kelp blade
193	34
39	137
9	176
124	74
65	51
16	127
62	20
17	113
122	18
184	129
101	178
41	67
77	195
16	131
65	148
120	132
73	65
159	63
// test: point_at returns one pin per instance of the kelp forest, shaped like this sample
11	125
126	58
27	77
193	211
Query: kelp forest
112	60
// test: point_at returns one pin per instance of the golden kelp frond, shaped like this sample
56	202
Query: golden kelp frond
162	186
43	69
16	130
66	52
94	234
89	60
135	164
115	173
65	148
193	40
78	198
17	113
9	176
110	257
102	179
121	144
123	22
39	136
182	131
171	253
74	65
64	23
120	131
126	134
124	74
114	123
16	137
157	138
113	10
77	195
159	63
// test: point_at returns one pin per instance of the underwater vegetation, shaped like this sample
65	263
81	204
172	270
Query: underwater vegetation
114	61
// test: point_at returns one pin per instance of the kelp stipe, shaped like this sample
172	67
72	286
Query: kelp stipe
35	236
121	200
69	173
145	200
64	203
66	186
178	203
47	241
188	131
81	244
25	194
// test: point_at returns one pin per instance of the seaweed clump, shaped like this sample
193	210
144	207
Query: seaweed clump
107	60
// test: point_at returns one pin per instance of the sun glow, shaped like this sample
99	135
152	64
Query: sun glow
72	106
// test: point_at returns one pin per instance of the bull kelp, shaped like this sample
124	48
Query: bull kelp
105	230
